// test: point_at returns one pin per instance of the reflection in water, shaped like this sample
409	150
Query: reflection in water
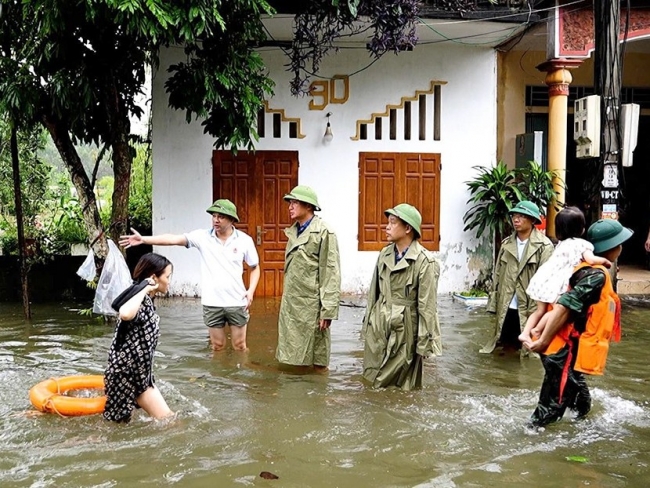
241	415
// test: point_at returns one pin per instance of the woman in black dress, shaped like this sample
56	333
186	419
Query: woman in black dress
129	381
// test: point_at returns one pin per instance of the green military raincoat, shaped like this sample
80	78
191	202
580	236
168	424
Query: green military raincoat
312	290
401	322
512	276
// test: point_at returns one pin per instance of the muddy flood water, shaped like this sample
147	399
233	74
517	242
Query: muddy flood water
239	415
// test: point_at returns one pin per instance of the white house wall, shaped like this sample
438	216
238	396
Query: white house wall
182	154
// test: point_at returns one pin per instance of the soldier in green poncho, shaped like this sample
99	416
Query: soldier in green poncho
401	325
312	285
521	255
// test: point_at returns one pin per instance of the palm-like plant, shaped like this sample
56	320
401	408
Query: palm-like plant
494	191
537	185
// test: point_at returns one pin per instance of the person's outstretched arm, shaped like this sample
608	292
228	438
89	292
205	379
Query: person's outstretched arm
136	239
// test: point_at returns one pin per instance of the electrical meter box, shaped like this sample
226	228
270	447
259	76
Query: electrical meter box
586	126
629	131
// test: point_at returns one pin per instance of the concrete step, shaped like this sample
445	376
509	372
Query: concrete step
633	280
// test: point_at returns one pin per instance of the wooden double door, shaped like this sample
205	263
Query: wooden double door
256	183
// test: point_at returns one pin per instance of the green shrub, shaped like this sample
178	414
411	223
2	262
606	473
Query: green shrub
69	225
473	293
8	239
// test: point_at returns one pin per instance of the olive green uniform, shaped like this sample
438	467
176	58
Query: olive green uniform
511	276
312	290
401	322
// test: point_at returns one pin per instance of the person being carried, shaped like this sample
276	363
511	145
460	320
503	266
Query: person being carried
580	326
552	278
224	249
128	379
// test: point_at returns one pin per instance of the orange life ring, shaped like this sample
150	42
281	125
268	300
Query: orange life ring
48	396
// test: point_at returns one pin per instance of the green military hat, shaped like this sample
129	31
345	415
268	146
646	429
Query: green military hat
606	234
224	207
304	194
409	214
526	207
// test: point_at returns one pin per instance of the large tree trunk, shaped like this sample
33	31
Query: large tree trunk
85	193
122	171
120	128
22	247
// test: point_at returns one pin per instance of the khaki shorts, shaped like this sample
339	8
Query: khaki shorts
220	316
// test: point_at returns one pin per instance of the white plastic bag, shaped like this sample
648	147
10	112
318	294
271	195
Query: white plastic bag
88	270
115	278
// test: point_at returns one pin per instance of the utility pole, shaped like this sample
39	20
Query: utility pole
607	83
608	69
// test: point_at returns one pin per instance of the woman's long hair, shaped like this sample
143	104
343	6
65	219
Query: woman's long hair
150	264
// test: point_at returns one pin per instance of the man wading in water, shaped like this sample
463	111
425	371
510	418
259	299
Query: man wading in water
521	255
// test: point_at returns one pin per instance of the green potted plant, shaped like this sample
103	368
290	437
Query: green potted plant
472	297
536	185
493	192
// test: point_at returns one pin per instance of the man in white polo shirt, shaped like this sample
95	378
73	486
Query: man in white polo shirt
224	249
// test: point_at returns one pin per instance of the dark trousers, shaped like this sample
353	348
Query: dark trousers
510	330
554	397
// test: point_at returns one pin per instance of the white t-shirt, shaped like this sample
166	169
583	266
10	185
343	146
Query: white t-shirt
222	266
521	245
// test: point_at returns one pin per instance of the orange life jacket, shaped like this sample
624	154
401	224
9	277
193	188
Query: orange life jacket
603	325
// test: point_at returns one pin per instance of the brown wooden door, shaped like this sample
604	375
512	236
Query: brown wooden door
386	179
256	183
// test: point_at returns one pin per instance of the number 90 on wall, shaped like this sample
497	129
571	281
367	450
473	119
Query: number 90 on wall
334	90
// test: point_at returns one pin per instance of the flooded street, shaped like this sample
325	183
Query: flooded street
239	415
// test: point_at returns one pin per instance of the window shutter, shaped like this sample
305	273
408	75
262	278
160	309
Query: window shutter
386	179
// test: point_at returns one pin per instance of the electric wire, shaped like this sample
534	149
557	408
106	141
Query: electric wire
525	25
534	11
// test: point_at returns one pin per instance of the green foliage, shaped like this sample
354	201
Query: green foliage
140	196
8	238
494	191
85	312
577	459
79	67
88	154
34	174
223	81
473	293
68	222
536	184
140	193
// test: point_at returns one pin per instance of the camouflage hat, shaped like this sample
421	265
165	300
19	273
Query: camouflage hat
224	207
606	234
304	194
526	207
409	214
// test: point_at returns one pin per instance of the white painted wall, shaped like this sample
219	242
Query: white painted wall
182	153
